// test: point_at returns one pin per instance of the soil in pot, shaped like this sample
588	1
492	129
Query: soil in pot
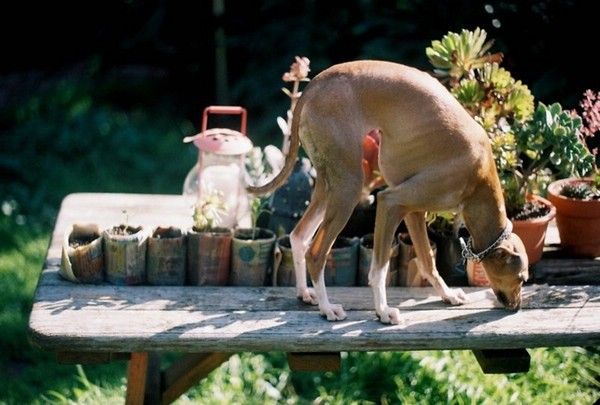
165	260
364	262
209	256
82	254
251	256
125	254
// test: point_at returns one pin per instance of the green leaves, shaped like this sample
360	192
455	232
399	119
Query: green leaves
457	54
553	137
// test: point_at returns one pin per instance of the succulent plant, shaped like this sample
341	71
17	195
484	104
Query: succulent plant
581	191
457	55
209	211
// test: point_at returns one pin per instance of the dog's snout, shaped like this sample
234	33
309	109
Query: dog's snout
509	304
502	298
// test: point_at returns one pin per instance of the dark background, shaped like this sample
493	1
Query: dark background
109	80
169	46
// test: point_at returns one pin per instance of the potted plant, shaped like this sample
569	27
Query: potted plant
208	245
252	250
494	99
165	260
577	200
82	254
125	254
525	144
549	140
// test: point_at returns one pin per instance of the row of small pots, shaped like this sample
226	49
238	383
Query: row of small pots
166	256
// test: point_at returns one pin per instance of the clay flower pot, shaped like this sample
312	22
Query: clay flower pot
165	260
82	254
578	221
533	231
209	256
125	254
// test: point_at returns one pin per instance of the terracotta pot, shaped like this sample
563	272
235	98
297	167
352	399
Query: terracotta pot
578	221
209	256
476	275
533	231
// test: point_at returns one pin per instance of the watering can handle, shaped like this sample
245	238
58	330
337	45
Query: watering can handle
225	110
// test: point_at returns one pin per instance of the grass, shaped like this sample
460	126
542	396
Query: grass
60	141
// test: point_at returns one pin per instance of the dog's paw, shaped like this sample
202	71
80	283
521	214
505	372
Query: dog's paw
389	316
333	312
456	296
308	296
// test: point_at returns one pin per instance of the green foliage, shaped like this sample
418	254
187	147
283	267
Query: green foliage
63	139
551	139
258	206
525	143
457	55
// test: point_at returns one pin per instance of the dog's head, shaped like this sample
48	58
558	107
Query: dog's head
507	269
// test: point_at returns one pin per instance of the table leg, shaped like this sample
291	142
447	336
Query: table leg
185	373
136	378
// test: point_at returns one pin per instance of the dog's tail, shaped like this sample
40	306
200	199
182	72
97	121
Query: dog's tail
290	158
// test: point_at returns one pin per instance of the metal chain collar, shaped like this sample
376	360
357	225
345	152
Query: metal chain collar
467	248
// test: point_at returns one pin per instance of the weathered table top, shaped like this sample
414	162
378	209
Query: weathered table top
73	317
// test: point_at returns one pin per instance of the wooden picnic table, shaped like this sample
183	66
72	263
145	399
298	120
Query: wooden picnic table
86	323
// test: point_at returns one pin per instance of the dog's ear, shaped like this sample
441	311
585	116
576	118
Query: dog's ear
511	253
505	254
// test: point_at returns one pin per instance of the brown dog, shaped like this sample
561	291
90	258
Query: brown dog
434	156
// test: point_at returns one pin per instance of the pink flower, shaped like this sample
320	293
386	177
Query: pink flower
298	70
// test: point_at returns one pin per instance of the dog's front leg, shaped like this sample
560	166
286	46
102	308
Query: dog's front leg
415	222
387	219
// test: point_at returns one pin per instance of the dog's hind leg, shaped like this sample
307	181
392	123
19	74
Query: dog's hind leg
339	207
415	222
301	236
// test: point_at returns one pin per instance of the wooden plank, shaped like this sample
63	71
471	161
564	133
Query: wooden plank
97	330
314	361
136	378
65	295
70	357
503	361
186	373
